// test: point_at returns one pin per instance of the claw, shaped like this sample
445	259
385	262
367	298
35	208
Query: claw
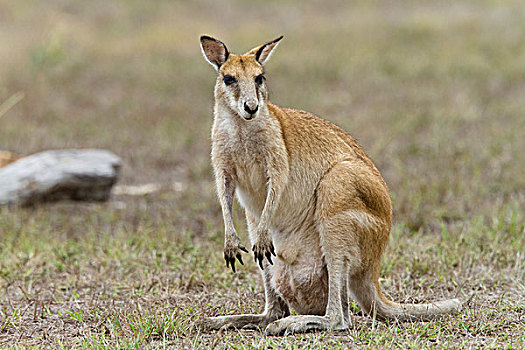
240	258
243	249
272	250
269	257
261	262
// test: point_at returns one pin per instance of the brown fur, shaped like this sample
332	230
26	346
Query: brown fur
7	158
318	211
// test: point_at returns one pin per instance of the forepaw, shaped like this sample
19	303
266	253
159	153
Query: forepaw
232	251
263	248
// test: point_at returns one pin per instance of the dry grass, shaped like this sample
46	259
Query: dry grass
433	90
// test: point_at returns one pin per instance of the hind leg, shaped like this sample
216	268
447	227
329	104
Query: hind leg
275	307
353	215
342	220
336	255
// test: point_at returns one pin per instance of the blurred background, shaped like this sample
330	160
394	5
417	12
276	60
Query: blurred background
433	90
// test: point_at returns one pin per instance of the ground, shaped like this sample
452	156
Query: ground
434	91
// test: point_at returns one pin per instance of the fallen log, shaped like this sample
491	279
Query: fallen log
87	174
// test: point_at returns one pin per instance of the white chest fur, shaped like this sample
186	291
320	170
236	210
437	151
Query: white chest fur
245	144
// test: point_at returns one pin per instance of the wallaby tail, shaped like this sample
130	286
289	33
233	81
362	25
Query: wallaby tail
388	309
371	299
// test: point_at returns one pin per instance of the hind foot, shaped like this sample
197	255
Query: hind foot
237	321
303	324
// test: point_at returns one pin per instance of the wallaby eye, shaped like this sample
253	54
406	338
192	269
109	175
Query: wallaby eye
259	79
228	80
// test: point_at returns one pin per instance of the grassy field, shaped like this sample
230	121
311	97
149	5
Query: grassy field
434	91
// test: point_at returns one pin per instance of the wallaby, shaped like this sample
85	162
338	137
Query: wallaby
318	211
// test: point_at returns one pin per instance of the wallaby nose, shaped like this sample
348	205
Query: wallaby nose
252	110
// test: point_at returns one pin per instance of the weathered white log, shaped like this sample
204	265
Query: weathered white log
59	174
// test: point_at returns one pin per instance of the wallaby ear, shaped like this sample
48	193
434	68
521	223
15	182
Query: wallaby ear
214	51
262	53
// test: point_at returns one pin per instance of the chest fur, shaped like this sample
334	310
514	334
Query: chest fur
245	149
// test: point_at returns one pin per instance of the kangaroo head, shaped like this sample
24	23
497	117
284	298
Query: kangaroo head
240	80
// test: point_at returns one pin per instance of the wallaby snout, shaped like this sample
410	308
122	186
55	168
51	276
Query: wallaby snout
251	107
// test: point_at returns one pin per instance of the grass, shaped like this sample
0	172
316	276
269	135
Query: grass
433	91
